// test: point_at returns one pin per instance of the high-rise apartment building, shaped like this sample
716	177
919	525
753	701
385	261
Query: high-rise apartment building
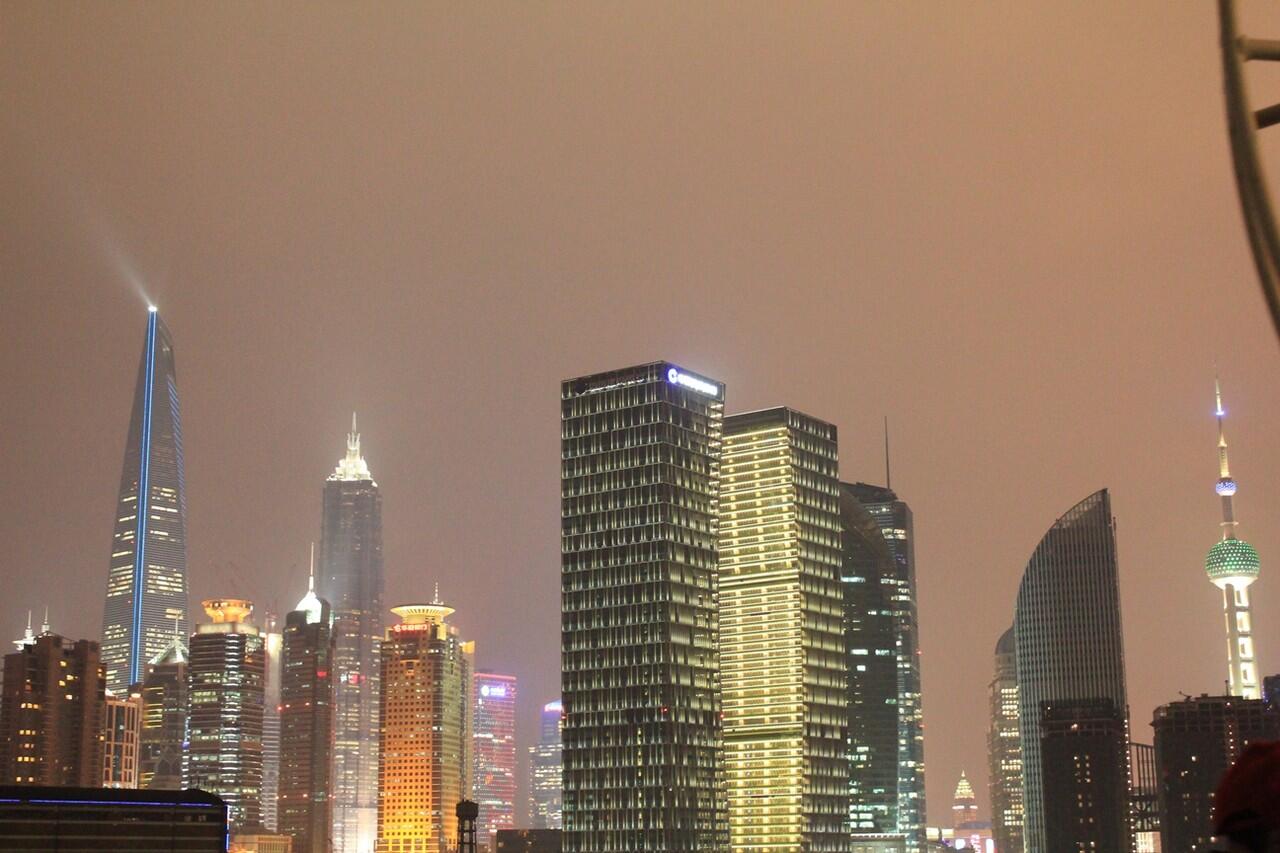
494	753
782	655
1197	740
1232	565
121	736
545	802
351	580
51	714
147	580
164	718
1067	639
273	649
869	575
898	526
1004	749
305	803
640	456
225	692
1084	748
425	691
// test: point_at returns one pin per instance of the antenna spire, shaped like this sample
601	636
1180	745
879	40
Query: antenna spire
888	481
44	626
436	599
311	574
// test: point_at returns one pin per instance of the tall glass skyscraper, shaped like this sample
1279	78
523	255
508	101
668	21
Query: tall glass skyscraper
545	802
782	656
896	523
640	674
1004	749
351	581
1068	640
494	753
147	579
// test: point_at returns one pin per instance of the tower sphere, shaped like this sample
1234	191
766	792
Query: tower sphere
1225	488
1232	561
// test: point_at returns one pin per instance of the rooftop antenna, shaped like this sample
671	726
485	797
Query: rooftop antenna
44	626
888	481
436	600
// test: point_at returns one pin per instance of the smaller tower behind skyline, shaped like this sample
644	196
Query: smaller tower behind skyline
494	753
545	809
1232	566
164	717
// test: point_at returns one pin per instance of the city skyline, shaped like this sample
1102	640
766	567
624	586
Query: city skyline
994	432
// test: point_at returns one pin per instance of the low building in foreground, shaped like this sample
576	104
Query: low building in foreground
35	819
526	841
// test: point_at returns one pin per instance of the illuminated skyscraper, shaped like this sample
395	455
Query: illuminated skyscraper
1004	749
350	579
782	655
494	753
422	772
305	807
898	526
121	733
545	802
164	718
272	645
1233	565
1069	646
147	581
224	724
640	673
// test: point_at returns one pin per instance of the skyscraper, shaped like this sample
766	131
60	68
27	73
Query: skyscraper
164	718
273	649
225	689
51	714
1004	749
782	656
121	733
545	803
1232	566
422	772
964	804
351	581
1197	740
305	806
147	581
1067	635
640	673
869	575
494	753
898	526
1085	751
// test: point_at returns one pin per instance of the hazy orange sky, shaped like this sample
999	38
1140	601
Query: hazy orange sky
1009	227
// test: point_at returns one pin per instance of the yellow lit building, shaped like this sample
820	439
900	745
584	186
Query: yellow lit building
781	637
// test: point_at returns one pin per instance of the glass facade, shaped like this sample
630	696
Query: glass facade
897	524
1004	749
1084	743
164	718
782	657
494	753
351	580
545	803
1068	638
305	803
273	643
640	674
147	578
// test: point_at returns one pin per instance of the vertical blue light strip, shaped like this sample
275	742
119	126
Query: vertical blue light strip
142	506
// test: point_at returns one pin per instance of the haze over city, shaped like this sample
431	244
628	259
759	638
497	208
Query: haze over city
1011	231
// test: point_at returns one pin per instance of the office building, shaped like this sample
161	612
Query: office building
425	691
1084	745
51	714
121	740
898	526
147	579
527	841
164	718
782	655
1004	749
1068	641
545	803
305	806
869	576
1144	798
494	753
351	580
1232	566
640	673
257	842
225	694
96	820
1196	741
273	648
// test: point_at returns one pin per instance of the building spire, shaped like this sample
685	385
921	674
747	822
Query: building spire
311	573
310	603
28	638
1226	487
44	626
352	466
436	599
888	481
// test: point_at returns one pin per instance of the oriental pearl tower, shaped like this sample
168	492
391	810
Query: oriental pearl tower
1232	564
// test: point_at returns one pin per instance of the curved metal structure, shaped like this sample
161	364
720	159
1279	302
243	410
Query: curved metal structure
1243	123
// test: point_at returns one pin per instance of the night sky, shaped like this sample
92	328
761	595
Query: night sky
1009	227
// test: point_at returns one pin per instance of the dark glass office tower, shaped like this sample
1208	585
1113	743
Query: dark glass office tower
1085	748
351	580
897	524
1067	632
640	478
1004	748
164	719
869	578
147	579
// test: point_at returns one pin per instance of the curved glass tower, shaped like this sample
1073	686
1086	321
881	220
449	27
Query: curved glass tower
147	579
1067	633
